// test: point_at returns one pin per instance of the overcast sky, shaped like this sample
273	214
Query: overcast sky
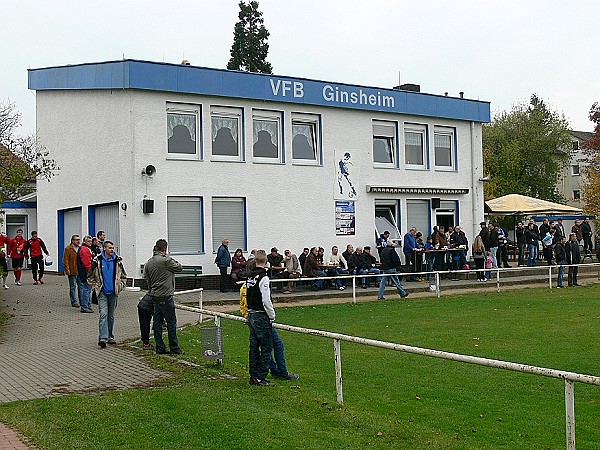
497	51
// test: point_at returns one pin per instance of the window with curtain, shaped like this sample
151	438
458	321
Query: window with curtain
182	133
304	140
229	220
184	225
414	148
226	129
443	147
266	138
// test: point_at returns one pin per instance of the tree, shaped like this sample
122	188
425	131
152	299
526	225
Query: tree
249	49
22	158
590	186
525	150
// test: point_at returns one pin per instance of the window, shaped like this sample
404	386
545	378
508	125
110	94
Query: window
414	145
385	220
185	225
229	220
418	216
575	145
182	131
443	142
576	194
226	133
305	138
266	127
384	143
575	170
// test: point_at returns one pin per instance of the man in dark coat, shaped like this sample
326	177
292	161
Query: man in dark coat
573	257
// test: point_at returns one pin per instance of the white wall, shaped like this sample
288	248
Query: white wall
103	139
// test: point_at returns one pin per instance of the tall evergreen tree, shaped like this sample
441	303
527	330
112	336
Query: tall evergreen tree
525	150
250	47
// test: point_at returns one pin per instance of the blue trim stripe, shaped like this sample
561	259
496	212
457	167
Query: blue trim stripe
18	205
153	76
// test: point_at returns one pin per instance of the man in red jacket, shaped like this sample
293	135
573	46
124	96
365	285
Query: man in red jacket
17	254
34	247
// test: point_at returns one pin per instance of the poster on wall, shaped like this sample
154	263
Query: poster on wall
344	218
346	167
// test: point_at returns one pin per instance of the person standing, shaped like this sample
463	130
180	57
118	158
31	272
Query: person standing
223	261
17	254
479	257
34	247
485	235
573	254
107	277
159	273
531	239
4	242
586	232
561	260
409	249
260	316
520	233
70	270
390	262
84	264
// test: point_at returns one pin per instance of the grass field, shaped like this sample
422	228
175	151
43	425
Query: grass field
392	399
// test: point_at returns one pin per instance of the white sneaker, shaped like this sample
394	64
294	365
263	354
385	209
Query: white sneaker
342	288
5	287
19	283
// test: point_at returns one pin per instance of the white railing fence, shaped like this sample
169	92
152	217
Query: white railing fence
569	377
435	277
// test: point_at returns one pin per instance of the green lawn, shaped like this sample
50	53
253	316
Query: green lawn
392	399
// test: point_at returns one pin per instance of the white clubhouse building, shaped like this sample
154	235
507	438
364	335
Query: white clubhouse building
266	160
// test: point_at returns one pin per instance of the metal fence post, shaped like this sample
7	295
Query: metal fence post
550	276
570	410
338	371
354	289
437	284
498	279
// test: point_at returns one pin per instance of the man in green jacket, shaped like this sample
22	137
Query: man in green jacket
159	273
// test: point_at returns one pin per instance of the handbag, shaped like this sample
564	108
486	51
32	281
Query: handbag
48	261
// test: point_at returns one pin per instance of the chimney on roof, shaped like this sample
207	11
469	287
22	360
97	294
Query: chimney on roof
462	94
185	62
408	87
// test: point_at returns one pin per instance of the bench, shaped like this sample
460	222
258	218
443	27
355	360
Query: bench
189	278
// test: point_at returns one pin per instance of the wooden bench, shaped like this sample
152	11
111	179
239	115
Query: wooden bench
189	278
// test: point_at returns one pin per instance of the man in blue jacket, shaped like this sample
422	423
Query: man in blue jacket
410	246
223	261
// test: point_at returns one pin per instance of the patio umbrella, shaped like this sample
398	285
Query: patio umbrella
516	204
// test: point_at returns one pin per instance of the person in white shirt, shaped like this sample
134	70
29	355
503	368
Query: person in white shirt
336	259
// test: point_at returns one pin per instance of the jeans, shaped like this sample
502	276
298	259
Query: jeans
224	280
74	289
572	275
278	366
107	305
561	271
164	307
532	248
85	294
261	345
336	273
373	270
37	264
494	253
319	284
587	245
521	254
144	318
396	281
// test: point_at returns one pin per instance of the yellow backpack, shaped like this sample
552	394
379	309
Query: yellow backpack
243	300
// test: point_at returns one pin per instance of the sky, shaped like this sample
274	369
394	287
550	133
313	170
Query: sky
496	51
